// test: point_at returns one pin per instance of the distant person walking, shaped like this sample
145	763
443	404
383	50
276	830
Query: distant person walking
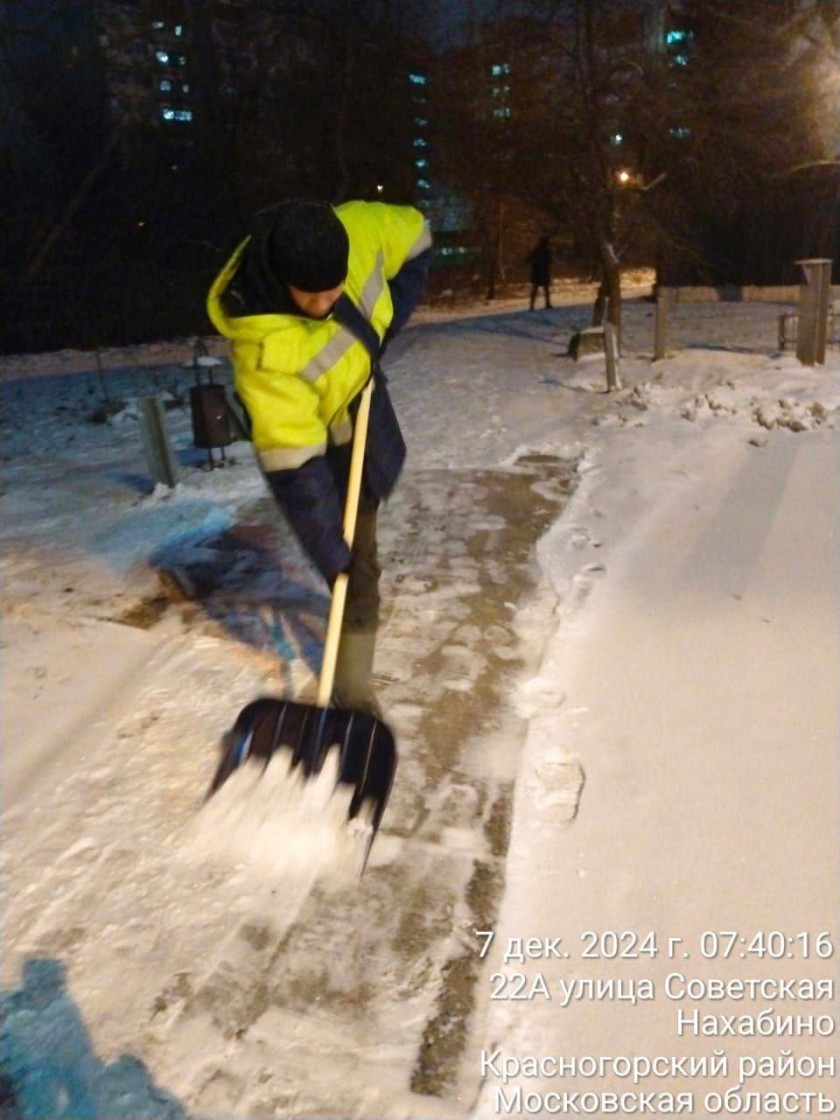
540	261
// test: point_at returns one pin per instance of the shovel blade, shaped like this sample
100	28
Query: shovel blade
367	750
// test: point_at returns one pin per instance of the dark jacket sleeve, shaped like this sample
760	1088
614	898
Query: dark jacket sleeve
406	289
308	497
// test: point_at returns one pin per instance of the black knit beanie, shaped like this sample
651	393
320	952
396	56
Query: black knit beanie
307	246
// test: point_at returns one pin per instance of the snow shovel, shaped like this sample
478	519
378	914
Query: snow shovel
368	756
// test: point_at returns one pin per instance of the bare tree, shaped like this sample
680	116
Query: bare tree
751	183
707	128
565	140
323	106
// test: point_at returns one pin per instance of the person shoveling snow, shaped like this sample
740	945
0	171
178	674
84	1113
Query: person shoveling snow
309	300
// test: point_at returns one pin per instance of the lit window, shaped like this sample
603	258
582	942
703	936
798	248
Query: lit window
417	79
681	59
162	56
419	142
504	111
176	114
179	30
165	85
499	69
421	121
680	132
616	139
158	25
677	36
424	184
421	163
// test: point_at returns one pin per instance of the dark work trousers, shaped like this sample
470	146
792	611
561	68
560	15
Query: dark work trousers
361	613
353	685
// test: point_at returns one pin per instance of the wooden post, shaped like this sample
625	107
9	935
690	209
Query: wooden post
611	353
813	311
660	330
159	454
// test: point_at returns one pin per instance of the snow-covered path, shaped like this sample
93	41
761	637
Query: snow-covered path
630	726
700	683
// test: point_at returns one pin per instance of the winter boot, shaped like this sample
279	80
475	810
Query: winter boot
353	686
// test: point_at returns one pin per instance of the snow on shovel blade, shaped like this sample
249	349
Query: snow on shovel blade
368	755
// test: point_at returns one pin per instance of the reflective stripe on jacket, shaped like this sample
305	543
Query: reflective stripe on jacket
297	376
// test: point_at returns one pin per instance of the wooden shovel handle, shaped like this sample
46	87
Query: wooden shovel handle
351	509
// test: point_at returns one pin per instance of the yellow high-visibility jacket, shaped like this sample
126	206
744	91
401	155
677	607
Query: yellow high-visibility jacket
297	376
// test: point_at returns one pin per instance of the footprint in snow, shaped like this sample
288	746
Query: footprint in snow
555	787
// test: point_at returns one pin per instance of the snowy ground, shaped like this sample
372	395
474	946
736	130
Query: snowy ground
610	659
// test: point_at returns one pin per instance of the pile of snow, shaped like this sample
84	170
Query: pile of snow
274	826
